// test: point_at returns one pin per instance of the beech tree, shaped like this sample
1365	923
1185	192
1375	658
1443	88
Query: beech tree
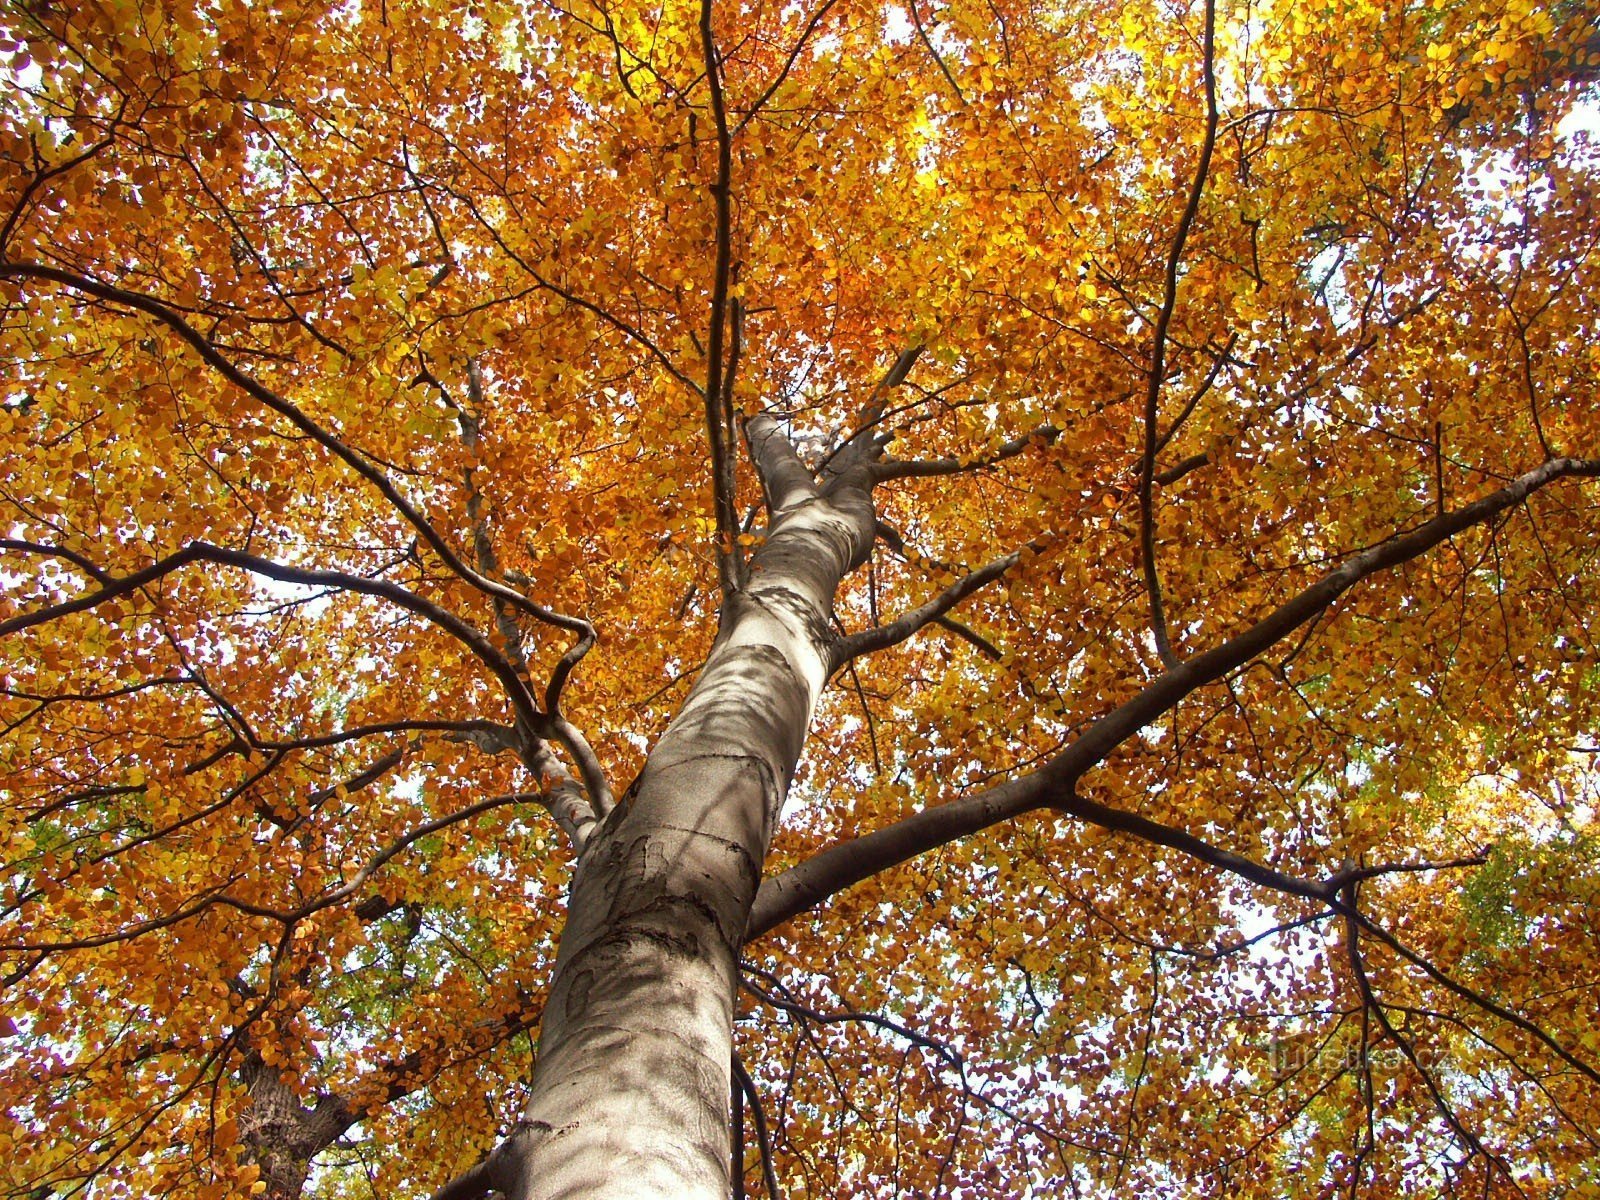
815	599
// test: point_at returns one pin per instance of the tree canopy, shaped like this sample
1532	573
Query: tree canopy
399	396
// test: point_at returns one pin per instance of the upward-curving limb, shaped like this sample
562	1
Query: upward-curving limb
1054	784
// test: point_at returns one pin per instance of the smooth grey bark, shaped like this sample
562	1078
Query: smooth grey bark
630	1094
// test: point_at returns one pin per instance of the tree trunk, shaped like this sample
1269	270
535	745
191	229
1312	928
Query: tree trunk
630	1095
283	1136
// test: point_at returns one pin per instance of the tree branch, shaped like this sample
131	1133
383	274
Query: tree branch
973	638
285	917
1371	1004
908	469
784	478
763	1138
927	43
1158	355
788	65
194	552
576	744
870	640
475	1183
1054	784
575	809
863	445
719	406
297	417
360	781
632	332
1179	469
1473	996
80	561
1199	394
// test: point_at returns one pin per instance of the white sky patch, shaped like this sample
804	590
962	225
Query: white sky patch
1582	122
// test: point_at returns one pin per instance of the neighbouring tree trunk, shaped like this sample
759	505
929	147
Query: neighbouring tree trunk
630	1095
283	1135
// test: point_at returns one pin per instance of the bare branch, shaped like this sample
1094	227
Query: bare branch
788	65
360	781
628	330
83	563
863	445
866	713
719	375
782	997
891	537
1203	458
1528	383
1128	1128
1158	355
763	1139
1219	358
897	631
973	638
896	375
151	835
802	886
486	735
286	917
927	43
1179	469
907	469
1371	1004
594	780
1473	996
62	168
1359	874
511	635
576	809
